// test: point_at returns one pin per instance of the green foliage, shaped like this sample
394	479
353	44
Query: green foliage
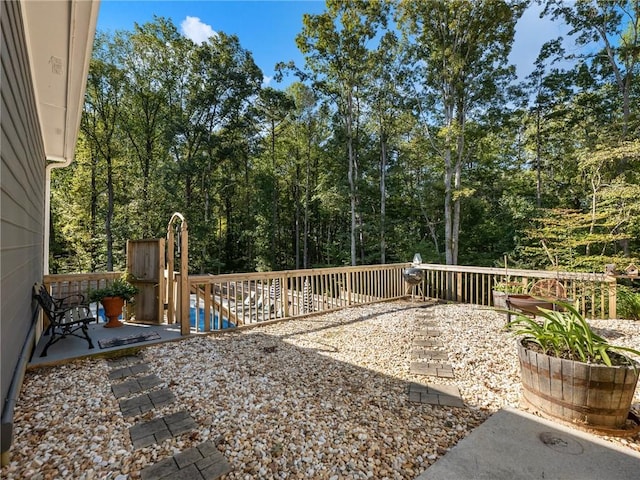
512	287
628	305
120	287
573	240
566	334
393	139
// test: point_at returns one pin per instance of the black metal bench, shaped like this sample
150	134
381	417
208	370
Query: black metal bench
66	316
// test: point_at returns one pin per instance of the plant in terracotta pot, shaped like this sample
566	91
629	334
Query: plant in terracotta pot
571	373
113	297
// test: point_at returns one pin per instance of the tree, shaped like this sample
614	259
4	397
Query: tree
309	132
614	27
274	107
460	51
99	124
335	47
392	144
384	91
545	89
218	84
149	57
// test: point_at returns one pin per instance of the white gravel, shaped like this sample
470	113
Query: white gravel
323	397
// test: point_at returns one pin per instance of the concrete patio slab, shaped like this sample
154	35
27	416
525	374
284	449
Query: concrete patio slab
73	347
515	445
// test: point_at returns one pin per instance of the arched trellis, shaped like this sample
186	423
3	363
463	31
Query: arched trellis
181	313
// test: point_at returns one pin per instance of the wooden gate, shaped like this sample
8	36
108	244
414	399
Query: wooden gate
145	263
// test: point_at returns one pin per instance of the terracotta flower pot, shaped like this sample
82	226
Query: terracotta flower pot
113	309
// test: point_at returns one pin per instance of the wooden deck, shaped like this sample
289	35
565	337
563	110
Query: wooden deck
252	298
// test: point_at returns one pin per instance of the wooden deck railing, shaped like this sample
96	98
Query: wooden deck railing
71	283
594	294
222	301
248	298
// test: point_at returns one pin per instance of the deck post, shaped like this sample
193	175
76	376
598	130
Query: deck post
183	280
171	279
613	286
284	292
185	328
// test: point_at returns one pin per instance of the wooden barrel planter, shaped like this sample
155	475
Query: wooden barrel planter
596	396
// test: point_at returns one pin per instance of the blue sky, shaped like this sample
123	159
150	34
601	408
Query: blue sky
268	27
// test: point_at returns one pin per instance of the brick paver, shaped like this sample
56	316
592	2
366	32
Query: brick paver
135	385
125	361
434	369
427	342
435	394
428	332
128	371
429	323
146	402
203	462
424	354
159	429
427	361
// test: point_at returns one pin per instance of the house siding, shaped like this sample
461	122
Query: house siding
22	190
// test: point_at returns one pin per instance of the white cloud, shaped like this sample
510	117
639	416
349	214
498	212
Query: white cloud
266	80
195	30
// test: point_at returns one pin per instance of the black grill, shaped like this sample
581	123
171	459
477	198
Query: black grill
412	276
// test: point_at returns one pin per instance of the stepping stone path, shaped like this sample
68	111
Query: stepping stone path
203	462
428	359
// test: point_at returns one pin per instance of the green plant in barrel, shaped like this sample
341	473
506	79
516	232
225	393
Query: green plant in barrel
570	372
566	334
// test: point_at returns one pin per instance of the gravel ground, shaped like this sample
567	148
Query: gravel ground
324	397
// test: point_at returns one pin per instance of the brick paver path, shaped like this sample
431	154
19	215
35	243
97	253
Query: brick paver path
128	371
203	462
428	358
448	395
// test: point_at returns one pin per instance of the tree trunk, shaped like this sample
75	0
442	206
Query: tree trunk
94	207
352	183
455	234
448	211
307	197
538	161
383	191
109	216
296	196
274	200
